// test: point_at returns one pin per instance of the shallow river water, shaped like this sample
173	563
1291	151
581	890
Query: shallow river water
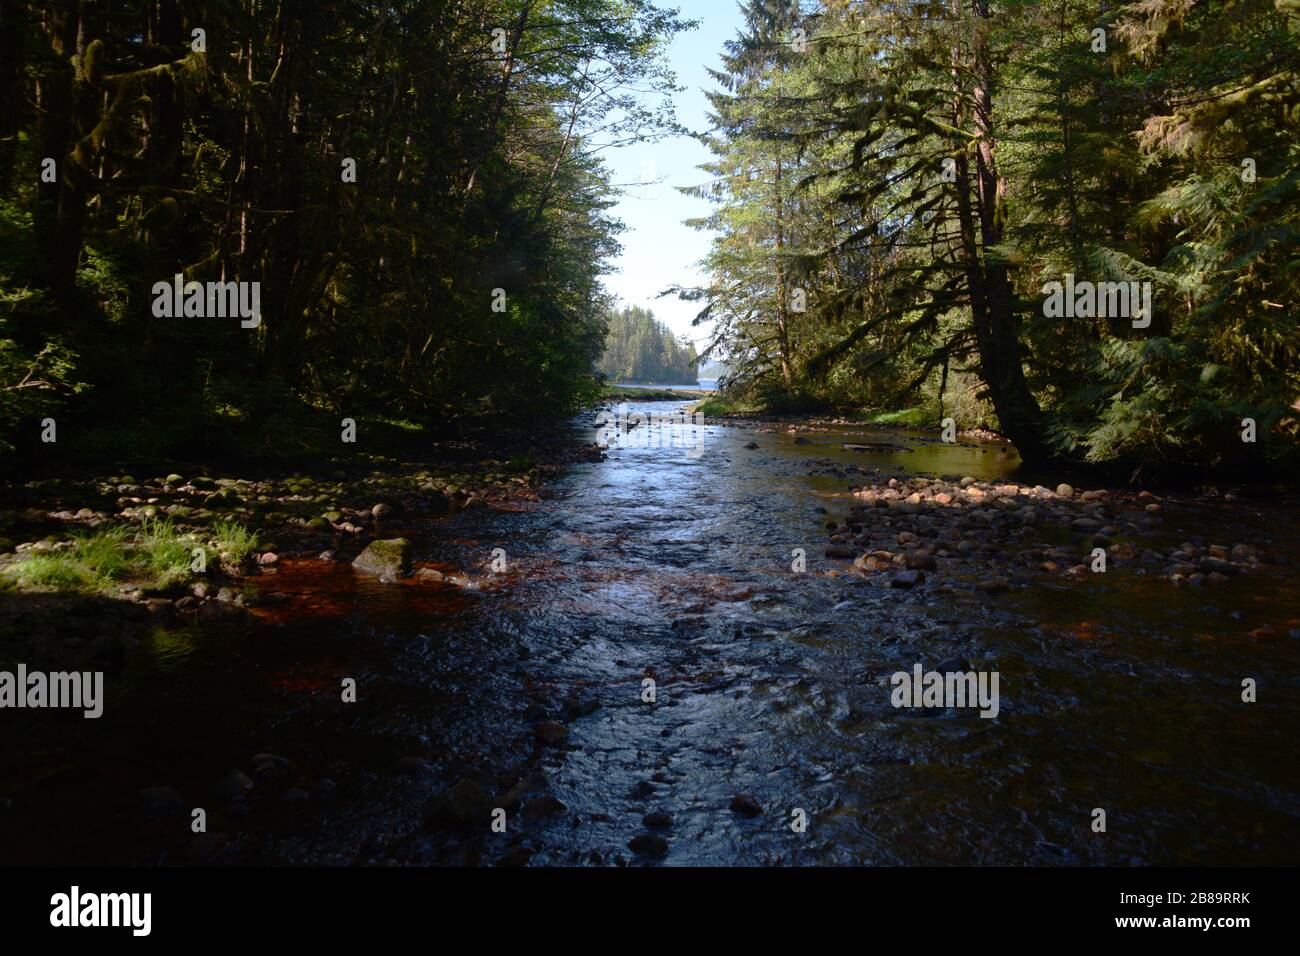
1119	691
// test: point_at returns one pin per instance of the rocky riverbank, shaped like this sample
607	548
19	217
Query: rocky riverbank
86	564
905	532
795	424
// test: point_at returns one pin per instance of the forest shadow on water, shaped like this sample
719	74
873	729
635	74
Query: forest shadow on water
672	561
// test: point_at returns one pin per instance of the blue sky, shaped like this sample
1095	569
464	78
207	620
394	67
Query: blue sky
659	250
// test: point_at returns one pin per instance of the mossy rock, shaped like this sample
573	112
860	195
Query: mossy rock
388	559
203	483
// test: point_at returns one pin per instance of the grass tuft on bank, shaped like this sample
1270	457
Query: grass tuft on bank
905	417
719	406
154	557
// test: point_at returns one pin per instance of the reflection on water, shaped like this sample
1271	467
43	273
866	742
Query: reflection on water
1117	691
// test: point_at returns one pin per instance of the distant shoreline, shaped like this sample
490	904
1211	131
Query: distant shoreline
701	385
659	393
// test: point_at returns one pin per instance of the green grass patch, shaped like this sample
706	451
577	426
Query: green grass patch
102	554
164	552
234	539
155	556
716	406
59	571
909	417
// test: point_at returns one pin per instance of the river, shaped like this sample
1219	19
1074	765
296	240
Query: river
674	564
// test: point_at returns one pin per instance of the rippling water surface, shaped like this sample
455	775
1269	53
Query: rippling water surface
674	563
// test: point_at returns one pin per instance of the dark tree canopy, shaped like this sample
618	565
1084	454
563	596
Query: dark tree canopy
897	186
416	187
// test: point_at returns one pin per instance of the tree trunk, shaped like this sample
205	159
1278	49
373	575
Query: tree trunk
58	213
992	298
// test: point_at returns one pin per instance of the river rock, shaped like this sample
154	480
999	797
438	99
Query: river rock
544	806
907	579
234	785
745	805
534	782
648	844
389	559
163	801
552	733
269	764
1216	566
919	561
466	805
